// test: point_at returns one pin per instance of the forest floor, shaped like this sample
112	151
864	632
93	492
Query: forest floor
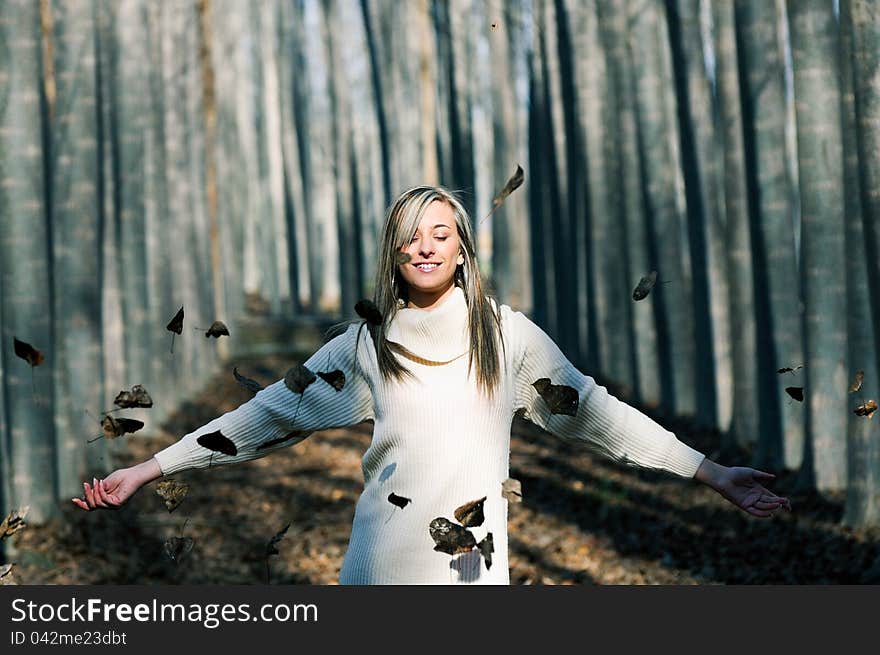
583	519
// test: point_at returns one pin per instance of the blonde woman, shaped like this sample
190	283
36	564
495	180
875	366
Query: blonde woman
441	370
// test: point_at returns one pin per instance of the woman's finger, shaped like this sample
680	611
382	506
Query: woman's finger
763	475
105	495
757	512
761	504
79	503
90	496
99	496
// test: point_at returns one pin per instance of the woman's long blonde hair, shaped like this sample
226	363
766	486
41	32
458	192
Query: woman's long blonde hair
484	321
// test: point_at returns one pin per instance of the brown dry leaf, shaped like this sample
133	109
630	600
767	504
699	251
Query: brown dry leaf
857	382
137	397
487	547
251	385
273	542
117	427
218	442
217	330
176	323
335	379
6	577
796	392
27	352
172	492
470	514
866	409
368	311
402	258
512	185
511	489
14	522
178	547
560	398
788	369
643	288
298	377
399	501
451	538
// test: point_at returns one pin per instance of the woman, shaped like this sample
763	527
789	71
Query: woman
441	373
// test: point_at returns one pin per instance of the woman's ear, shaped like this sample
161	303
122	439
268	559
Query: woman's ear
460	258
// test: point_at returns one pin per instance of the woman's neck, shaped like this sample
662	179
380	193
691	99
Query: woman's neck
422	300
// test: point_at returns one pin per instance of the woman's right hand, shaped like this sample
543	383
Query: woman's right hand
113	491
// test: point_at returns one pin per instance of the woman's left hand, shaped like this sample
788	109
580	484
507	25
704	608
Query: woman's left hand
744	487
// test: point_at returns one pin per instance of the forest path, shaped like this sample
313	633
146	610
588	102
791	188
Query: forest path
583	519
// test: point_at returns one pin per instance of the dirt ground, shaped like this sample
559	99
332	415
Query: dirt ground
583	519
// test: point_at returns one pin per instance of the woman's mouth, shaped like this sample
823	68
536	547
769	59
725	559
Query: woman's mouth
426	268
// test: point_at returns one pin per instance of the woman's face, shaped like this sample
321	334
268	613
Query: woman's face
435	253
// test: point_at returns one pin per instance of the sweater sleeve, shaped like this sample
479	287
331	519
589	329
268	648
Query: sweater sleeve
610	426
277	417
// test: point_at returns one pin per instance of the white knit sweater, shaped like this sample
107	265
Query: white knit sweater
436	441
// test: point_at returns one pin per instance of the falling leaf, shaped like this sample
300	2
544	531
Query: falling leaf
6	577
275	442
178	547
14	522
368	311
335	379
270	547
866	409
560	398
788	369
137	397
494	26
643	288
451	538
5	569
512	185
251	385
117	427
27	352
172	492
176	324
217	330
795	392
857	382
402	258
400	501
216	441
470	514
487	547
511	489
298	378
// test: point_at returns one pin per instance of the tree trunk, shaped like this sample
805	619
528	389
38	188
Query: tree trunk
24	275
776	300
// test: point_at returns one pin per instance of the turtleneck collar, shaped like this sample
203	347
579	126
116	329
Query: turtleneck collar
438	335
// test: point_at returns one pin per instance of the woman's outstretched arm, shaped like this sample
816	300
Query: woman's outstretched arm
274	418
618	430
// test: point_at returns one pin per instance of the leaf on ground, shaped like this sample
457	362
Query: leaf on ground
218	442
335	379
273	542
298	377
217	330
172	492
511	489
487	547
471	514
560	398
451	538
866	409
176	323
291	435
399	501
137	397
857	381
368	311
796	392
27	352
13	522
251	385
